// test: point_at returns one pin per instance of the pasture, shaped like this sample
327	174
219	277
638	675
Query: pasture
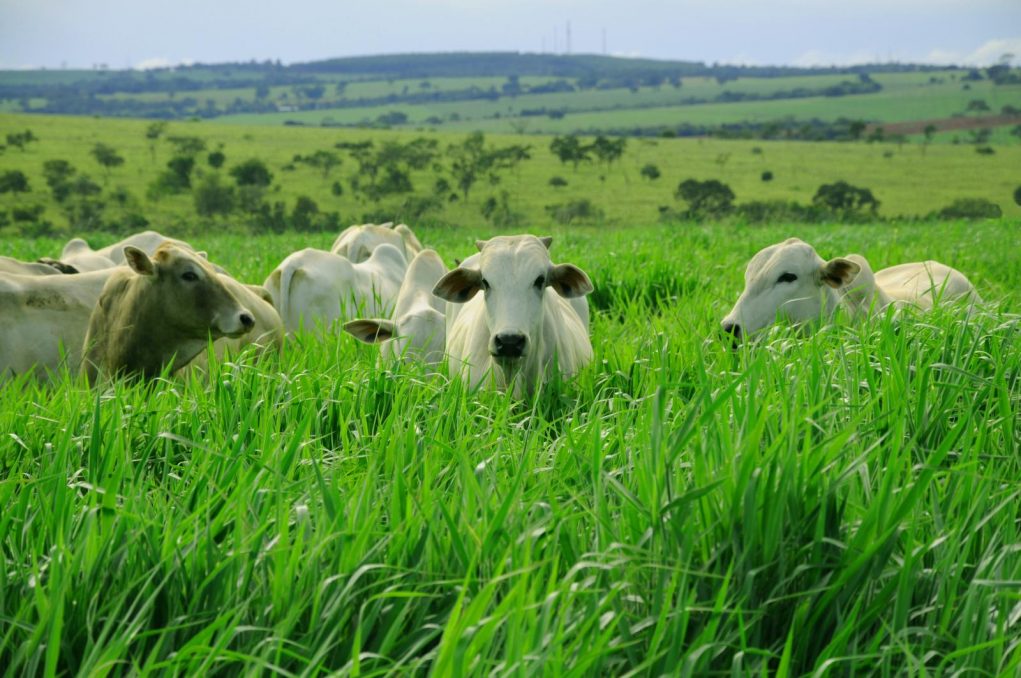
844	503
909	180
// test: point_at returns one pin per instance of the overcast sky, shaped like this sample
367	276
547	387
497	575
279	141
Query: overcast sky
139	33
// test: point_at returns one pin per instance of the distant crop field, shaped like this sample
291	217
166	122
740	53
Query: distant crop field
845	499
907	180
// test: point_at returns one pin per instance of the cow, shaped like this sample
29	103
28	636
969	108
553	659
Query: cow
791	281
356	243
266	334
511	335
159	313
417	330
313	288
17	267
45	319
77	253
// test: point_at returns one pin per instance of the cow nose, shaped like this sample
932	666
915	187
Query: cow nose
247	321
509	344
732	328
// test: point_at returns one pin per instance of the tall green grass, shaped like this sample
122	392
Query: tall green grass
843	503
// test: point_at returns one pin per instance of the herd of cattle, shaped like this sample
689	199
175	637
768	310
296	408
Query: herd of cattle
150	304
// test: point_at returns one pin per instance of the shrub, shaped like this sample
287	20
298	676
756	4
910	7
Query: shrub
985	150
497	211
213	197
14	181
844	199
557	182
252	172
216	159
709	198
575	211
30	214
337	189
773	211
304	213
58	175
971	208
1017	195
767	176
650	172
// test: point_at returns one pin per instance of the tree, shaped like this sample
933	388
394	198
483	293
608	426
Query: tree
472	160
187	145
14	181
58	174
557	182
929	131
252	172
856	129
261	91
607	150
767	176
977	105
1017	196
213	197
708	198
569	149
21	139
153	133
216	159
107	156
843	198
650	171
322	160
971	208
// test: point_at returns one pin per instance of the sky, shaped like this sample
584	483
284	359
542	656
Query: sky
144	33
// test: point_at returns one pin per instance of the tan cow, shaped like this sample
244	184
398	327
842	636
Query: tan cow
161	312
267	333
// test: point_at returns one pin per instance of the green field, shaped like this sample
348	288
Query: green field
909	180
844	503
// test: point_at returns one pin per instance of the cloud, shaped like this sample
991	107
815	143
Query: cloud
991	51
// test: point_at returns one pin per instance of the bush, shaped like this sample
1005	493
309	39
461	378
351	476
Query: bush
710	198
844	199
1017	195
971	208
213	197
575	211
29	214
497	211
557	182
14	181
774	211
252	172
650	172
337	189
767	176
216	159
304	213
985	150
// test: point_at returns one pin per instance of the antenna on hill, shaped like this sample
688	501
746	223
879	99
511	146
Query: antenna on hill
568	37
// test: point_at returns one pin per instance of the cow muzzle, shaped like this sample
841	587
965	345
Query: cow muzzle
508	345
237	324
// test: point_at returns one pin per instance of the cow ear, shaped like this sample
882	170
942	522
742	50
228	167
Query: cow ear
139	261
459	285
569	281
547	240
479	244
370	331
839	272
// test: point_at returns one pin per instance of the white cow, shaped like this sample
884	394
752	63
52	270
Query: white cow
17	267
79	255
45	319
357	243
791	281
417	330
511	335
312	287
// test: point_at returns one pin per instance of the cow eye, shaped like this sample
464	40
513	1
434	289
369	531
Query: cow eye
190	276
786	278
540	282
485	285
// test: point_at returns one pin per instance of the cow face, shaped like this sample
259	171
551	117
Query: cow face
513	273
788	281
189	293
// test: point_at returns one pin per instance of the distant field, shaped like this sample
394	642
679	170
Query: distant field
908	181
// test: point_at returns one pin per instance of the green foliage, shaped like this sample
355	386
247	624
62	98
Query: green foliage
1017	196
497	211
213	197
21	139
216	159
107	156
650	171
569	149
705	199
844	199
252	172
14	181
767	175
472	160
187	145
322	160
971	208
575	212
557	182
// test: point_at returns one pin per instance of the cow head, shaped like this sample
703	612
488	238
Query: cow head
417	335
189	294
790	281
513	273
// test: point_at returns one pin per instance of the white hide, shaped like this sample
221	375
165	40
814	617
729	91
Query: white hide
313	288
31	268
44	319
790	281
417	330
357	243
511	334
